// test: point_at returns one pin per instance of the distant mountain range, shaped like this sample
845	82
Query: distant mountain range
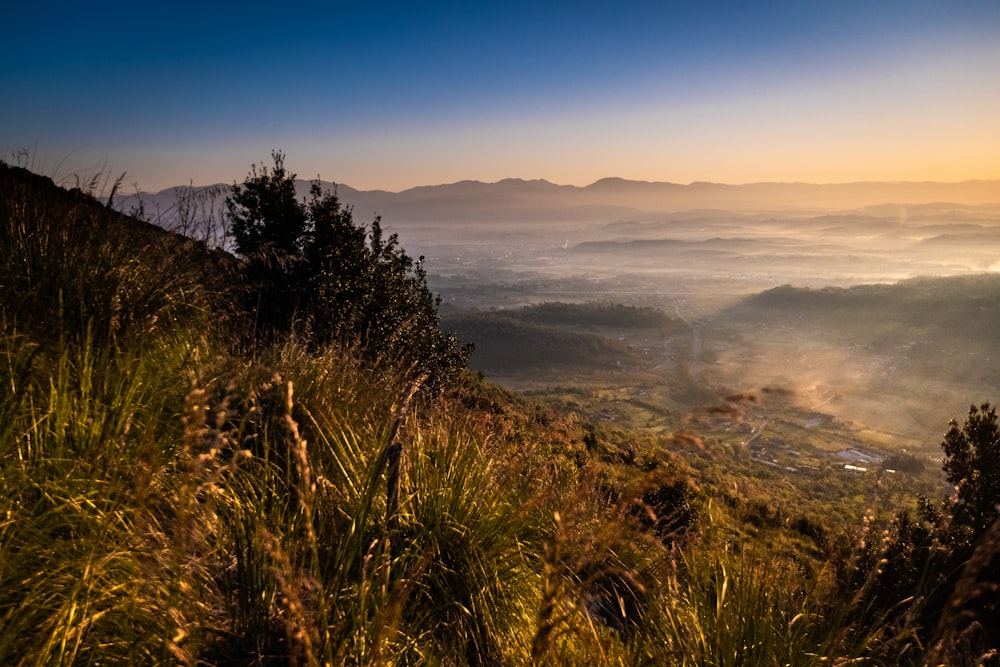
610	198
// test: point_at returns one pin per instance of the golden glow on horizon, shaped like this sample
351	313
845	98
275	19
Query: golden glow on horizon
916	124
781	92
384	177
736	163
732	141
921	123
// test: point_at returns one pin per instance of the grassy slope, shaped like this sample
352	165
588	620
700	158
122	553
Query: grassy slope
168	497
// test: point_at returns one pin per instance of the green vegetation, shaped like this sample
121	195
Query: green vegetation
562	339
916	318
511	344
177	490
309	268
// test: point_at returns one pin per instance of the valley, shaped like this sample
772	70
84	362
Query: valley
784	341
841	321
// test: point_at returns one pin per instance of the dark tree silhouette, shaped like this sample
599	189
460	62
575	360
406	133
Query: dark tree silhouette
309	264
265	214
270	227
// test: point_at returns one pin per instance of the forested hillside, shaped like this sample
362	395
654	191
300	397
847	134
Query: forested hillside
900	355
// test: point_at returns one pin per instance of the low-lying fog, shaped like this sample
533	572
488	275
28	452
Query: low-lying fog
711	254
865	367
699	252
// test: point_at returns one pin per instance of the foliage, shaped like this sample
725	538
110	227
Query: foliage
973	465
308	261
265	213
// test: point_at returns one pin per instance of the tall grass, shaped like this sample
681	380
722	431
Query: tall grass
447	575
98	361
735	605
91	516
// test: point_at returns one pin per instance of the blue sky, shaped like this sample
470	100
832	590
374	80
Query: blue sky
393	95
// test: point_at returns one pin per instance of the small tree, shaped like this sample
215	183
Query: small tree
308	261
269	228
266	215
971	619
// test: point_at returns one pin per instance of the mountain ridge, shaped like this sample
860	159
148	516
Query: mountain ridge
611	181
531	201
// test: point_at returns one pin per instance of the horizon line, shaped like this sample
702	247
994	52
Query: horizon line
606	179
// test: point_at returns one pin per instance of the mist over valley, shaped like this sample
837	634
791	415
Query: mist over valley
871	303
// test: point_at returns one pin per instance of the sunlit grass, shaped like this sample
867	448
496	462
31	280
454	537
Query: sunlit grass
167	497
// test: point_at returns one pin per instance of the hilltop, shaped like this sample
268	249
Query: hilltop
177	489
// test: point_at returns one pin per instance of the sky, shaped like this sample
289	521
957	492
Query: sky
392	95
